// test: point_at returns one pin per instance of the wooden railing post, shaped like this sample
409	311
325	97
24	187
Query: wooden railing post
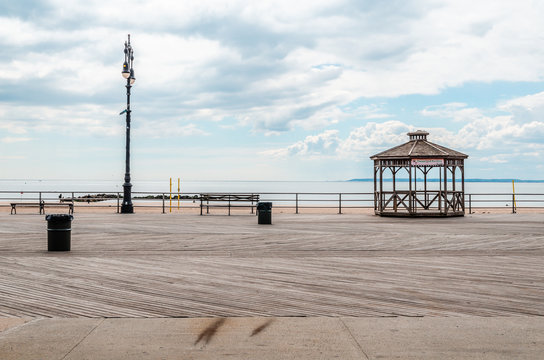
340	203
296	203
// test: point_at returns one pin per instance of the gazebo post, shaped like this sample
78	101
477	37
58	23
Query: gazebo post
394	173
425	187
446	204
375	186
415	187
454	200
381	187
454	168
440	190
462	167
410	189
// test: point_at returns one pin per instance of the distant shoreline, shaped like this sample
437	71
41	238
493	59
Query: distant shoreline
449	180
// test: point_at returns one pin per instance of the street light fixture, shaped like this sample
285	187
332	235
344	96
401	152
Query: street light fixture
128	73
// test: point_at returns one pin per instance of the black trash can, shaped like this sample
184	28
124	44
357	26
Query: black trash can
59	231
264	212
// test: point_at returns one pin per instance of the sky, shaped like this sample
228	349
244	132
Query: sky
268	90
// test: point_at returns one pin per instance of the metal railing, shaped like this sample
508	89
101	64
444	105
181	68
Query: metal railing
298	201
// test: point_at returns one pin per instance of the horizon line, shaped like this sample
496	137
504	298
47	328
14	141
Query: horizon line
349	180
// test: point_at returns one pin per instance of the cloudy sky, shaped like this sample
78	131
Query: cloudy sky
257	90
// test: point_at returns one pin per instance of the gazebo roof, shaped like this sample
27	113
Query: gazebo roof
419	147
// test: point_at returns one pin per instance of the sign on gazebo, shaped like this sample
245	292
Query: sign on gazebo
427	162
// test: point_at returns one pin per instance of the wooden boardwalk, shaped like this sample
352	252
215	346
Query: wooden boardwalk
171	265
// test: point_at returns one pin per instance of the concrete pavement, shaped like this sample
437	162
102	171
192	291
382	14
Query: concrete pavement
275	338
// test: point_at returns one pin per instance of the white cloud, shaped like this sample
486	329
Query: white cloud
11	140
520	125
479	133
496	159
361	142
369	139
525	109
17	32
533	102
12	157
272	67
179	62
456	111
276	65
13	127
325	143
165	130
76	120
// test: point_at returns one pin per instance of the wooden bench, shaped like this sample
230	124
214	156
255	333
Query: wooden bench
228	200
41	205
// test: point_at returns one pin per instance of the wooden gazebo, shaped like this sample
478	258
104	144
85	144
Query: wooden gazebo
435	193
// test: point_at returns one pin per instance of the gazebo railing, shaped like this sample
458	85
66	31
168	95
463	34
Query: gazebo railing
412	201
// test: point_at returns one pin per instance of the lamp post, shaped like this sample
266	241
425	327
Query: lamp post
128	73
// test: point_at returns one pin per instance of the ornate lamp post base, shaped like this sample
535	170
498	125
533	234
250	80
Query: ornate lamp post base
127	209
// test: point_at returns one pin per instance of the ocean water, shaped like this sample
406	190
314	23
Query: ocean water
279	191
156	186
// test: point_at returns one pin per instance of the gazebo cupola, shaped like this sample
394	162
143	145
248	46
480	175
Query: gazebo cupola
438	193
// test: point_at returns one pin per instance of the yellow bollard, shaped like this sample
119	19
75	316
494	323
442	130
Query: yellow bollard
170	194
515	207
178	193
